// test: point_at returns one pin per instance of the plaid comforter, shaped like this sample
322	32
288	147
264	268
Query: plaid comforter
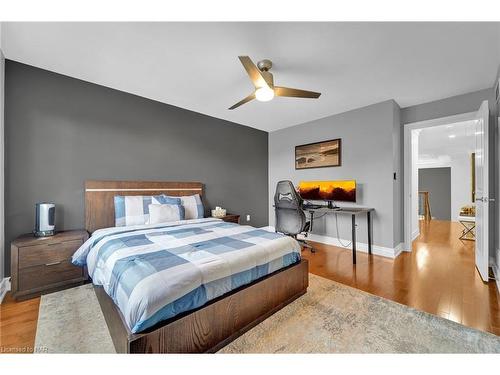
154	272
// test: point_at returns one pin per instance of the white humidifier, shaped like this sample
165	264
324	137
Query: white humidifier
45	219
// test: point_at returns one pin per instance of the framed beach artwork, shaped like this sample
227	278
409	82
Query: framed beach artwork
319	154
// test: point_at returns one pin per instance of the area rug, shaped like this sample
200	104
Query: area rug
329	318
71	321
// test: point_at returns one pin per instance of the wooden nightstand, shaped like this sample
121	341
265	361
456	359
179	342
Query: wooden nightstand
230	218
43	264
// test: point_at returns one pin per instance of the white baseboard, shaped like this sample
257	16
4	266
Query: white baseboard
360	246
399	249
495	266
4	287
415	234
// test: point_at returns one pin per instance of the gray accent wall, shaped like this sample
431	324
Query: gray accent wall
60	131
459	104
496	257
2	148
370	155
437	181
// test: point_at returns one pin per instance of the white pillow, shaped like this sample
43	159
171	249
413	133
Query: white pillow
133	209
163	213
193	206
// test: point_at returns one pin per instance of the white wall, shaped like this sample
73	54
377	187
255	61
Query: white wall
415	230
461	184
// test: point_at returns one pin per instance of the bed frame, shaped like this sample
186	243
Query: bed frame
208	328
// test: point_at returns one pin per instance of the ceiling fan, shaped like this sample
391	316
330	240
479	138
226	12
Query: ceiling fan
263	81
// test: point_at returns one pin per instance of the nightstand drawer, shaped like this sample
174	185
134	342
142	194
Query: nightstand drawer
37	255
230	218
47	274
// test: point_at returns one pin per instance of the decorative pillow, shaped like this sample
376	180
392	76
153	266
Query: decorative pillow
193	206
134	209
163	213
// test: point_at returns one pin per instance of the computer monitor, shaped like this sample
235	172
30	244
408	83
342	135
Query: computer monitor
340	190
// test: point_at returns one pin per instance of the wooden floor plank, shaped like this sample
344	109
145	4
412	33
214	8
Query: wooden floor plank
18	322
438	277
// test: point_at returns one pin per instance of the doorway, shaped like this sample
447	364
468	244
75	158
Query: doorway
460	144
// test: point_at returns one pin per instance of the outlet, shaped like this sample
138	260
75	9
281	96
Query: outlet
248	217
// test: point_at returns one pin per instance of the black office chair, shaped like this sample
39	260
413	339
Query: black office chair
290	218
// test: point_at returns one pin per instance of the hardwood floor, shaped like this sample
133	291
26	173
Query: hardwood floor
438	277
18	325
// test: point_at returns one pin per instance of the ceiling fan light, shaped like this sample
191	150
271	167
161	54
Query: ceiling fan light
264	94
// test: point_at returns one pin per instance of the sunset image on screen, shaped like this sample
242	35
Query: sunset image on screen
328	190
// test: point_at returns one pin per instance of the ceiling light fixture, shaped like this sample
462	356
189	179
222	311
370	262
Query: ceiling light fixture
452	136
264	94
263	80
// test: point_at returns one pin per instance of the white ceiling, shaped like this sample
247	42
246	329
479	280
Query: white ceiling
441	144
195	65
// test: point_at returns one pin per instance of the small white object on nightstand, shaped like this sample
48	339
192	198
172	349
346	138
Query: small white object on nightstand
218	212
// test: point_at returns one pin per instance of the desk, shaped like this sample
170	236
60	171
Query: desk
353	211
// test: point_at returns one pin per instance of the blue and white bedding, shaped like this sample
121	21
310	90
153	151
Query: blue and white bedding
154	272
134	209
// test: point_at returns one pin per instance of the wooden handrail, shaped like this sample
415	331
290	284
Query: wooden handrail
427	205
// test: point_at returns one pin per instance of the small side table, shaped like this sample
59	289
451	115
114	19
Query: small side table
42	265
231	218
469	231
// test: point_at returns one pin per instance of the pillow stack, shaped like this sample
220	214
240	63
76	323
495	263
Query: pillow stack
142	209
193	207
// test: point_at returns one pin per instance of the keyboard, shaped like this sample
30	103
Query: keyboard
313	206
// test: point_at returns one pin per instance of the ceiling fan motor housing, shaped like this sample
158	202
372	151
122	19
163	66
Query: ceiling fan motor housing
264	65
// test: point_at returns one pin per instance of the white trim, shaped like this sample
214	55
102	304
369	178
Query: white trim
4	287
495	266
360	246
363	247
415	234
137	189
407	166
399	249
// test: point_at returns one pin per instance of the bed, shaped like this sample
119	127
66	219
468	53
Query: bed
186	286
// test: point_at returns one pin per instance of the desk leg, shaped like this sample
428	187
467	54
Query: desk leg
311	214
369	223
353	228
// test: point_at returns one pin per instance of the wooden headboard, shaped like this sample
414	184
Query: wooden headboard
99	197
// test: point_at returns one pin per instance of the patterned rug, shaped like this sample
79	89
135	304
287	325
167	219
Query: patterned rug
329	318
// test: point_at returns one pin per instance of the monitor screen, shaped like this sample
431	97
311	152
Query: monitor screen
328	190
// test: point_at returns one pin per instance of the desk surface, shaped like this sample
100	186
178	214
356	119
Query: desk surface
340	210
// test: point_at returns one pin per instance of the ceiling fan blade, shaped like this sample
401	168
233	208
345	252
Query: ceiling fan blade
254	72
295	93
243	101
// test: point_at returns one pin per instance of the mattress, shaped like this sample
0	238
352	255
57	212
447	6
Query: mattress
155	272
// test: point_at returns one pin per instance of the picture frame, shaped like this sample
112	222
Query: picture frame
322	154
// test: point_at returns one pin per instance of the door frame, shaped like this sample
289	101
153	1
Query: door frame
407	164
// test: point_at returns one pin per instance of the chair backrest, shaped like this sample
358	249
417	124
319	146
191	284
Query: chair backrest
290	218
